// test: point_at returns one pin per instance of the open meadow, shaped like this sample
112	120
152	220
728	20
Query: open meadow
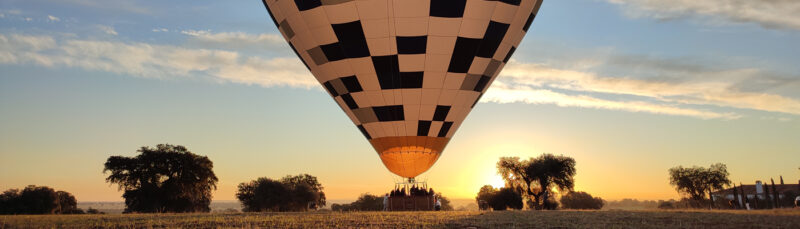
453	219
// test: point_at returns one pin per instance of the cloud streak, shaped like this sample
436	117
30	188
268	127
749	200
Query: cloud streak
771	14
235	40
153	61
676	88
108	30
706	88
505	93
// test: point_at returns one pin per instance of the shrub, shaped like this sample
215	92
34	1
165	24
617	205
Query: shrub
38	200
498	199
292	193
581	200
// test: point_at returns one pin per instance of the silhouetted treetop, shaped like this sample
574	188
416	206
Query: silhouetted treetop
167	178
698	181
38	200
581	200
536	177
292	193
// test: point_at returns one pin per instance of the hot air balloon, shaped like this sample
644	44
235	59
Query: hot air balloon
406	72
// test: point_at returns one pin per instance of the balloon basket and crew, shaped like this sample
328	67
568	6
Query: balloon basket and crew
411	196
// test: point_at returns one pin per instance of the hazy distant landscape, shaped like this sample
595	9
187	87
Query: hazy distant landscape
112	207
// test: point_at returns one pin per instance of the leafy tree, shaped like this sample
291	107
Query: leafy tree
38	200
263	194
292	193
498	199
581	200
313	192
506	198
485	196
697	181
10	202
167	178
67	204
365	202
536	177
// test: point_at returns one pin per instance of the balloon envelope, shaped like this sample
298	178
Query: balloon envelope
406	72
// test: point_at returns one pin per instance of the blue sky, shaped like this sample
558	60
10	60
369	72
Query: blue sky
629	88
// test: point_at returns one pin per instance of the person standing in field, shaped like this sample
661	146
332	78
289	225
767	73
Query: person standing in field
797	202
438	205
386	202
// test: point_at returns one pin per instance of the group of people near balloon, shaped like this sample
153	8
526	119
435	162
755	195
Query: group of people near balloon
413	191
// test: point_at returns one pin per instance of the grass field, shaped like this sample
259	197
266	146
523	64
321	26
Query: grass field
508	219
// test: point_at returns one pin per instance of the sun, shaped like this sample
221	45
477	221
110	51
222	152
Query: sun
497	181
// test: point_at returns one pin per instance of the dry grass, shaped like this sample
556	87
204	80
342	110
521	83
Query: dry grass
509	219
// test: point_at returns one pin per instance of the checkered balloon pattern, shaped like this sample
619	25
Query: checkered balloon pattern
406	72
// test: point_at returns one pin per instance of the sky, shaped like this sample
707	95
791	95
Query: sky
629	88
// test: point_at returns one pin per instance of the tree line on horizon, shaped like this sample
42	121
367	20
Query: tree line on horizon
39	200
170	178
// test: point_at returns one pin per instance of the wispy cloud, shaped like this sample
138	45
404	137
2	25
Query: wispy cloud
708	88
648	85
234	40
112	5
502	92
773	14
107	30
53	18
157	61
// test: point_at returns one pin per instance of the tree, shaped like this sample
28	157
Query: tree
498	199
697	181
365	202
506	198
536	177
167	178
292	193
10	202
263	194
67	204
581	200
314	194
485	196
38	200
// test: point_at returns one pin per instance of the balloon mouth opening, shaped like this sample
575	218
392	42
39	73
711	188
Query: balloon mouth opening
409	156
